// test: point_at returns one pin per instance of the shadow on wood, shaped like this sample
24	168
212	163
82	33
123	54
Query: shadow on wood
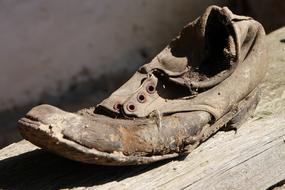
39	169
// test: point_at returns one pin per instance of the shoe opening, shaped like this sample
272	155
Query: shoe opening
210	53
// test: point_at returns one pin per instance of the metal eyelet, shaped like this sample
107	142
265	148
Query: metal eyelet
131	107
117	106
141	98
150	88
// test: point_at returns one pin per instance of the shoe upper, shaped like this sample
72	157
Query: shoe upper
214	63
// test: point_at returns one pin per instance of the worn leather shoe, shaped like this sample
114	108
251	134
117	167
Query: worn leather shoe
205	79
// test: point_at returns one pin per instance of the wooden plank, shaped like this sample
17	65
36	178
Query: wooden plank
251	158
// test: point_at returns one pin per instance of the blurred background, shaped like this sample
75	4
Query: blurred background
72	54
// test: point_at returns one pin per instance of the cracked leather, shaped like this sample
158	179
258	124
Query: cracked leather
187	92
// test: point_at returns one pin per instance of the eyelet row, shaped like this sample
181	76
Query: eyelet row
141	98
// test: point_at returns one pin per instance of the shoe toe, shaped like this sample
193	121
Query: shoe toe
77	128
96	135
46	114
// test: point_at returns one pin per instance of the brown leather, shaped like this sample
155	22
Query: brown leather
201	81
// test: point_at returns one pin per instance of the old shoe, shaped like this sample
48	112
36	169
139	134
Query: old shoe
206	78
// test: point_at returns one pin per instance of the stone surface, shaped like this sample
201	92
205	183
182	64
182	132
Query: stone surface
251	158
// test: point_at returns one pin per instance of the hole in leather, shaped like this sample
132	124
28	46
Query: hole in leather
131	107
150	88
117	106
141	98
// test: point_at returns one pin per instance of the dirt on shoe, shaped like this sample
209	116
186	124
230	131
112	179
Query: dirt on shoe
205	79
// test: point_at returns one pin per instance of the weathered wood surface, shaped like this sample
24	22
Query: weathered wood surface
251	158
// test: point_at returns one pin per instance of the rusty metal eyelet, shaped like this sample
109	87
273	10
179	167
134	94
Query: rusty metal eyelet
141	98
117	106
131	107
150	88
